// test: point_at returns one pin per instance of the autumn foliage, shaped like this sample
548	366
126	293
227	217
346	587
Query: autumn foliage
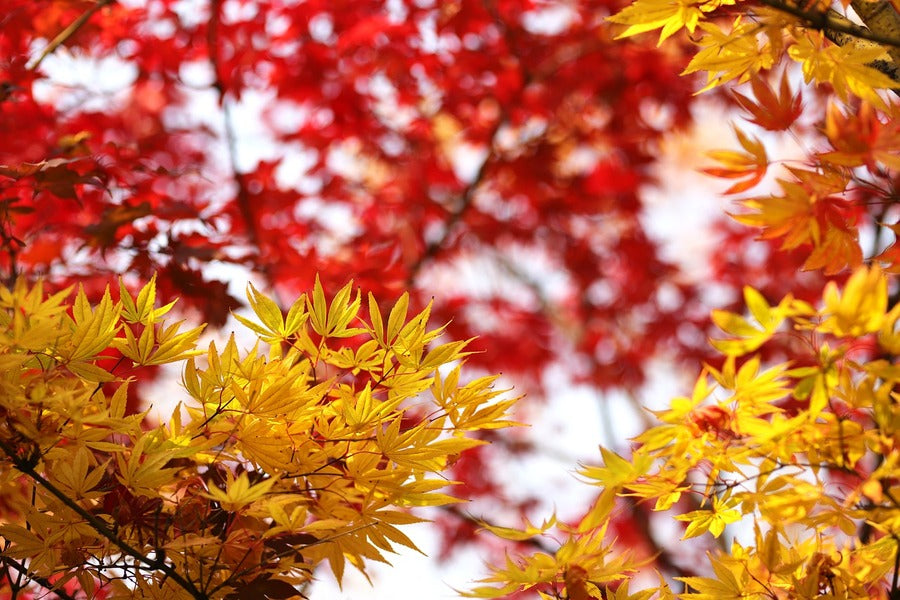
780	466
281	461
484	168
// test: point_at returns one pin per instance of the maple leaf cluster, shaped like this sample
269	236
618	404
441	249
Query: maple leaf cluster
447	157
779	469
408	144
443	149
804	453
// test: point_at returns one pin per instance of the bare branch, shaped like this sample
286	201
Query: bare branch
465	201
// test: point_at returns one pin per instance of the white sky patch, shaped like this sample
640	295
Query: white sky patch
321	28
514	273
550	20
88	83
191	13
197	74
386	107
293	168
338	219
466	160
680	210
254	141
410	574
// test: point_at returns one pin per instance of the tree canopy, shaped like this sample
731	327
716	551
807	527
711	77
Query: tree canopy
484	166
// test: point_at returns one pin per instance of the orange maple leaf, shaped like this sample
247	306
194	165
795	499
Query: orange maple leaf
838	249
810	212
861	138
890	256
775	111
750	166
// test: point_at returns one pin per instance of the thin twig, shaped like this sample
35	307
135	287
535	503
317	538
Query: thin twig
68	32
456	215
468	194
534	541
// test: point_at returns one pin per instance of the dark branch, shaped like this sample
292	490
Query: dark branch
23	465
41	581
831	21
456	215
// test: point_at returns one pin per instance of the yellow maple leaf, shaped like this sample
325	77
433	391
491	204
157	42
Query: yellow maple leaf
733	55
745	335
238	492
669	15
724	586
141	309
93	328
331	320
888	336
862	307
530	530
712	520
846	68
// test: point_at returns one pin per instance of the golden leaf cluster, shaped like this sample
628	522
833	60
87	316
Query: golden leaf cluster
277	461
799	461
851	58
739	48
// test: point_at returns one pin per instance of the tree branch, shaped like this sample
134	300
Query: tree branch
244	203
832	21
456	215
41	581
99	526
881	17
842	31
468	193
